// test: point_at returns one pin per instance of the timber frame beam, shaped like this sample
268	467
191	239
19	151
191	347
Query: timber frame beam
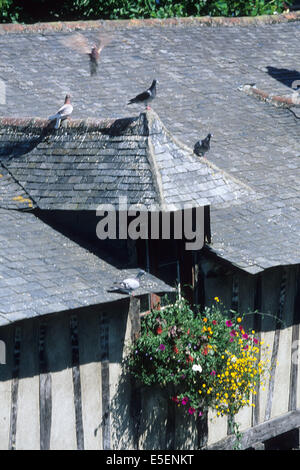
260	433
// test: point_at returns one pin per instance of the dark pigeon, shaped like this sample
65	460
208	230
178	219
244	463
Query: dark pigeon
146	96
202	146
129	285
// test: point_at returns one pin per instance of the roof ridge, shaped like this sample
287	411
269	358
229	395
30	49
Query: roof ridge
151	115
65	26
43	123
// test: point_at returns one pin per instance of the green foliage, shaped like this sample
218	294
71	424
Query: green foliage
202	360
49	10
7	12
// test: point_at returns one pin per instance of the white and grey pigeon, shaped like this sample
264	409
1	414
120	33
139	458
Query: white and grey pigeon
128	285
146	96
202	146
63	113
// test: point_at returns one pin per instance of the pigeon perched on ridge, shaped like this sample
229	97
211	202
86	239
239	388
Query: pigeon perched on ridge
63	113
128	285
79	43
202	146
146	96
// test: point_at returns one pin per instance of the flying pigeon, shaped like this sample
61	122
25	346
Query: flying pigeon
79	43
63	113
146	96
127	286
202	146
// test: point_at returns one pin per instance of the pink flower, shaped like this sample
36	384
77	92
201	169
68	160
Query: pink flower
233	333
200	413
231	340
162	347
245	336
255	340
228	323
213	372
191	410
184	400
245	347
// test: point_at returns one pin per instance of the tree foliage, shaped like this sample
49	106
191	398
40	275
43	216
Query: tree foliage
31	11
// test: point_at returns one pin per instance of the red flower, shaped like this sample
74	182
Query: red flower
205	350
188	332
159	330
214	322
175	349
189	359
175	399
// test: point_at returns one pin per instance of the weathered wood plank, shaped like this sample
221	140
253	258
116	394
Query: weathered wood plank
135	397
235	293
261	432
294	368
7	335
76	382
14	389
104	355
45	392
282	295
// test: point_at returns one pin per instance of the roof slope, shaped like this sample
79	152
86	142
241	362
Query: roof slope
198	92
43	272
95	162
12	195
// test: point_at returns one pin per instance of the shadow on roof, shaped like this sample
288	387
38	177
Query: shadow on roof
285	76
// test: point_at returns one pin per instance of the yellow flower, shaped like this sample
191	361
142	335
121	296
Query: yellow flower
205	320
217	299
239	319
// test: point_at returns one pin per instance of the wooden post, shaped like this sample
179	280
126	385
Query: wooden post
45	391
14	389
104	350
135	398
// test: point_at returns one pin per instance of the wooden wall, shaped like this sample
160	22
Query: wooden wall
63	387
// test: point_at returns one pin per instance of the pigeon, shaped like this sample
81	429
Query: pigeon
79	43
202	146
127	286
146	96
63	113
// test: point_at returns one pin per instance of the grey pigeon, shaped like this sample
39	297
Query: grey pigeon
63	113
202	146
128	285
146	96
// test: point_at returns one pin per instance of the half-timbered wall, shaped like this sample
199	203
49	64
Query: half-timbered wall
62	386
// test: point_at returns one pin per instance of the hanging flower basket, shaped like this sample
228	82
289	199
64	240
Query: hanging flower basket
209	360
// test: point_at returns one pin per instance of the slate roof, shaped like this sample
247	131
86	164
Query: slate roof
198	92
96	162
43	272
12	195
